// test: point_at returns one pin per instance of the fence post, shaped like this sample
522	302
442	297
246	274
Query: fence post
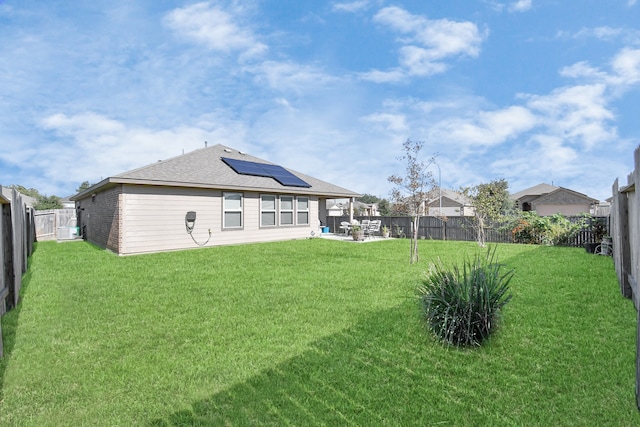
621	242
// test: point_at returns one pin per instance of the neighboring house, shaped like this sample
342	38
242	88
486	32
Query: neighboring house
211	196
335	210
341	208
452	204
67	203
365	209
548	199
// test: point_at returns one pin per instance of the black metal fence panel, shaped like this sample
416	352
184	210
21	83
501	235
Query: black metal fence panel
463	228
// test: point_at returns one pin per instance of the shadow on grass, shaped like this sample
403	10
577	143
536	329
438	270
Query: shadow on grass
386	370
359	376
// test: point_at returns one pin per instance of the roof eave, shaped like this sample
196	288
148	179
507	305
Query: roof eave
110	182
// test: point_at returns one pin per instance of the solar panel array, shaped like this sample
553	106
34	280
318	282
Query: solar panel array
276	172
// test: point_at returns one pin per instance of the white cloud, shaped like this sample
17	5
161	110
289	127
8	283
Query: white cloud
395	75
488	128
207	23
396	123
583	70
353	6
97	146
514	6
544	158
631	2
426	43
625	71
579	114
601	33
626	65
290	76
520	6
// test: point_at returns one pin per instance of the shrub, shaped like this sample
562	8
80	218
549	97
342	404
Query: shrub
531	228
462	305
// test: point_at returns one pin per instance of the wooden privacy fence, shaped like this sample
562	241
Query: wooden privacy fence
460	228
17	234
55	224
625	231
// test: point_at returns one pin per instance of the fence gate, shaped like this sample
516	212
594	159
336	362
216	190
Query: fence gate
56	224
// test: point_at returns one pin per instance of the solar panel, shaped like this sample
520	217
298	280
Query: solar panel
276	172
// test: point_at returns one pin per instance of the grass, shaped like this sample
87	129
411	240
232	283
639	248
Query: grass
309	332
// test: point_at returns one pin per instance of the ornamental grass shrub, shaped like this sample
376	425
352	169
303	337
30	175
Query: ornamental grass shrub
462	305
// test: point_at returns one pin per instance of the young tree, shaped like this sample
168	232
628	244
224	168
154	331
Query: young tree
368	198
31	192
43	201
48	202
85	185
411	191
384	208
491	203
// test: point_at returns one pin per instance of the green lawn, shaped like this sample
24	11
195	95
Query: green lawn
309	332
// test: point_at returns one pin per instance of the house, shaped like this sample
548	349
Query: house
449	203
334	209
548	199
211	196
365	209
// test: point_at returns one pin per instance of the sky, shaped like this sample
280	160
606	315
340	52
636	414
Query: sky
529	91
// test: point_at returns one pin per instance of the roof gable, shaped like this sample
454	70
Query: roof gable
533	192
450	198
564	196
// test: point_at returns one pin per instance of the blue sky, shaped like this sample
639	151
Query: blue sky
526	90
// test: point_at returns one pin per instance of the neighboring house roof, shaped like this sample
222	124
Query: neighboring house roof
548	194
204	168
449	198
536	190
564	195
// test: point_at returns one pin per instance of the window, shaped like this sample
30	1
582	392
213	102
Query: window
303	210
267	211
232	210
286	210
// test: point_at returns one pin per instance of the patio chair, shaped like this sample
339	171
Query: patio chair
344	225
373	228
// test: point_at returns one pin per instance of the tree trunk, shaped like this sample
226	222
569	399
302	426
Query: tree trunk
481	236
414	240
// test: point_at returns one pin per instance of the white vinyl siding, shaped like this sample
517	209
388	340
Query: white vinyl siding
153	220
268	211
232	210
303	211
286	210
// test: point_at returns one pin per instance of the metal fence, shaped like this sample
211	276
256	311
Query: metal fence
462	228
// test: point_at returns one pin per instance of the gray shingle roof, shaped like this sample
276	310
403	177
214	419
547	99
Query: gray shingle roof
204	168
536	190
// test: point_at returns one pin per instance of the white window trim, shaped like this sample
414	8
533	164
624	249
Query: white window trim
274	210
292	211
225	211
297	208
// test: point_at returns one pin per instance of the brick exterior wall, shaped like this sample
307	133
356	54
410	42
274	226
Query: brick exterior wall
100	218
